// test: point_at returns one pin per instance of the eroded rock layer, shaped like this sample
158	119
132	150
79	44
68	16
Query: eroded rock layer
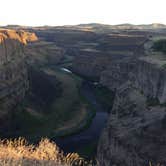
13	73
148	78
135	133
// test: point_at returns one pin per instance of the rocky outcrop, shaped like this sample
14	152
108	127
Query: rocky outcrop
147	77
135	133
44	53
13	73
90	66
21	36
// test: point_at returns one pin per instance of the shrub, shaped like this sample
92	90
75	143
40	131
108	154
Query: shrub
160	45
152	101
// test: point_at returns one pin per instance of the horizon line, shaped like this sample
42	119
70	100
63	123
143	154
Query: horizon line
153	23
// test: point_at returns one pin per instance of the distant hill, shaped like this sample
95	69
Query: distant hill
124	26
95	27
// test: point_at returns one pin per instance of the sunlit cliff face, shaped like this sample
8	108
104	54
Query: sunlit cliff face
21	36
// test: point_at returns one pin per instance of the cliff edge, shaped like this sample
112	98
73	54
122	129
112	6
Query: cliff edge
13	73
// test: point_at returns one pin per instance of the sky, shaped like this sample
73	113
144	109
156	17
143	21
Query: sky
71	12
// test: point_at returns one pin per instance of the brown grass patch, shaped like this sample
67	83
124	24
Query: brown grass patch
18	152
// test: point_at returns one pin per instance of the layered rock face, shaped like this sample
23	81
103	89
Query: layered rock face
13	73
90	66
135	133
108	50
148	78
44	53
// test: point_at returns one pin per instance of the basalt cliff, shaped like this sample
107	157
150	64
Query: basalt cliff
13	72
135	133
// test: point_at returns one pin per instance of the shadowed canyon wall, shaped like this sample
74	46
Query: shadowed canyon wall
135	133
13	72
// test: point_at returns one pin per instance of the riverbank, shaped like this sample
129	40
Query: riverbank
85	142
78	111
70	113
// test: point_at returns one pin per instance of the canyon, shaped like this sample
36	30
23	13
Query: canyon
114	67
124	62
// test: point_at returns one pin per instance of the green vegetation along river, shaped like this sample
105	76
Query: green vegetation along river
75	118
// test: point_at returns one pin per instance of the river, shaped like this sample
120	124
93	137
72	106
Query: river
92	133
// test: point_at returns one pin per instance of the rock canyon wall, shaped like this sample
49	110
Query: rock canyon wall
135	133
13	72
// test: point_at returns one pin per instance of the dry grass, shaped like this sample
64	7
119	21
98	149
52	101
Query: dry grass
18	152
